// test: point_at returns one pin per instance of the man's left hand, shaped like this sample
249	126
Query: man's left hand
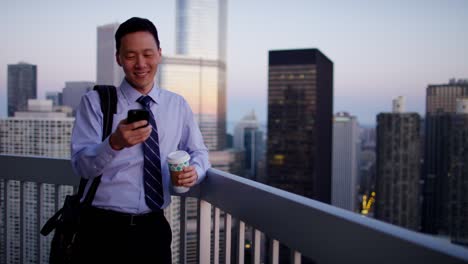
189	177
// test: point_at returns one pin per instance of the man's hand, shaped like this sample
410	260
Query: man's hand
128	135
189	177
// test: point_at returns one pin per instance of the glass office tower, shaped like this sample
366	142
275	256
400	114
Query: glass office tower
198	70
22	85
300	105
203	84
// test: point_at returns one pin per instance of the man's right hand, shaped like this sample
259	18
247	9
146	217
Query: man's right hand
128	135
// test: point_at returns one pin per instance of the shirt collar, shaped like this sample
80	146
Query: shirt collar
132	95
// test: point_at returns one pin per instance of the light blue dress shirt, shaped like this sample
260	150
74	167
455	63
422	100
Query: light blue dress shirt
121	188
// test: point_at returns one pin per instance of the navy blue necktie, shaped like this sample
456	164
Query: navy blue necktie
152	165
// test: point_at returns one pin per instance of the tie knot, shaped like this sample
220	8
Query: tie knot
145	101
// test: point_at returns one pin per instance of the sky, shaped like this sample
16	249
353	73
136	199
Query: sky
380	49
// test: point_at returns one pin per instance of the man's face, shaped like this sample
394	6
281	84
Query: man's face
139	57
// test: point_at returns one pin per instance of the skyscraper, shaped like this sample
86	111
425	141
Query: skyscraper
203	84
398	167
248	138
300	105
441	101
458	175
445	199
73	91
346	145
198	73
22	85
442	97
201	29
108	72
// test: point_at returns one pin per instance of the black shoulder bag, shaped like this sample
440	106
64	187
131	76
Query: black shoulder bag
66	220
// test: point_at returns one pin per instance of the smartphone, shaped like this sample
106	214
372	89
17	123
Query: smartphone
137	115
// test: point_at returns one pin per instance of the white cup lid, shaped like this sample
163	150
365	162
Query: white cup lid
178	156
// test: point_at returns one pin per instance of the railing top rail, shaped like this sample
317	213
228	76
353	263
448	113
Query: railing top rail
323	232
37	169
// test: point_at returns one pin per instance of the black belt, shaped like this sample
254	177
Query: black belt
114	217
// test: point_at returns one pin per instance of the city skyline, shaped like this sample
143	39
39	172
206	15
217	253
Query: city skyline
380	50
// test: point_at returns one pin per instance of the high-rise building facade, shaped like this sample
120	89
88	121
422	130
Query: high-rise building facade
108	72
445	197
249	138
346	146
442	97
441	104
203	84
300	105
198	73
22	85
73	91
201	29
55	97
436	166
26	206
458	175
398	168
37	132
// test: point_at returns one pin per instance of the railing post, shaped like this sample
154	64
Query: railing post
274	251
295	257
241	243
256	247
22	235
183	232
204	235
39	196
216	236
3	215
227	238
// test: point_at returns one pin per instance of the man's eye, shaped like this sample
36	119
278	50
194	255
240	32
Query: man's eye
130	57
148	55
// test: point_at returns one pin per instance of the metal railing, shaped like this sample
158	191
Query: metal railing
323	233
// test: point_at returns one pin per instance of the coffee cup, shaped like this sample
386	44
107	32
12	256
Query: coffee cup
177	161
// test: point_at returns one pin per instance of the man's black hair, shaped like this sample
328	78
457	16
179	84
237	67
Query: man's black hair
135	24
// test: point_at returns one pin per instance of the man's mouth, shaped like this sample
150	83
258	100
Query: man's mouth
141	74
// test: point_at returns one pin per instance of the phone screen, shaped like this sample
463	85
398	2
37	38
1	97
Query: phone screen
137	115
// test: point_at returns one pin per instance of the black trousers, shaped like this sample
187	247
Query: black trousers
112	237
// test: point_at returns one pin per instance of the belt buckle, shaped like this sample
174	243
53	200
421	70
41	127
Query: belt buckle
132	222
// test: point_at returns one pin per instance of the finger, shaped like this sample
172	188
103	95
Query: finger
140	138
190	181
137	124
189	168
187	173
142	131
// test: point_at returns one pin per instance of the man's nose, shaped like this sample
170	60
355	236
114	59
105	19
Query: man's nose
140	61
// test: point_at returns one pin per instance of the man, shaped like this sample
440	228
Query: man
126	222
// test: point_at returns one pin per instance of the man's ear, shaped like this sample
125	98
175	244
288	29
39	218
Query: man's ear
117	58
160	55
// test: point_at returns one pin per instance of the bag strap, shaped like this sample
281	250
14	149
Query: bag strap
108	97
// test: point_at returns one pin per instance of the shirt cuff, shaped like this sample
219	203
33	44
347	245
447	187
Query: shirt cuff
200	174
